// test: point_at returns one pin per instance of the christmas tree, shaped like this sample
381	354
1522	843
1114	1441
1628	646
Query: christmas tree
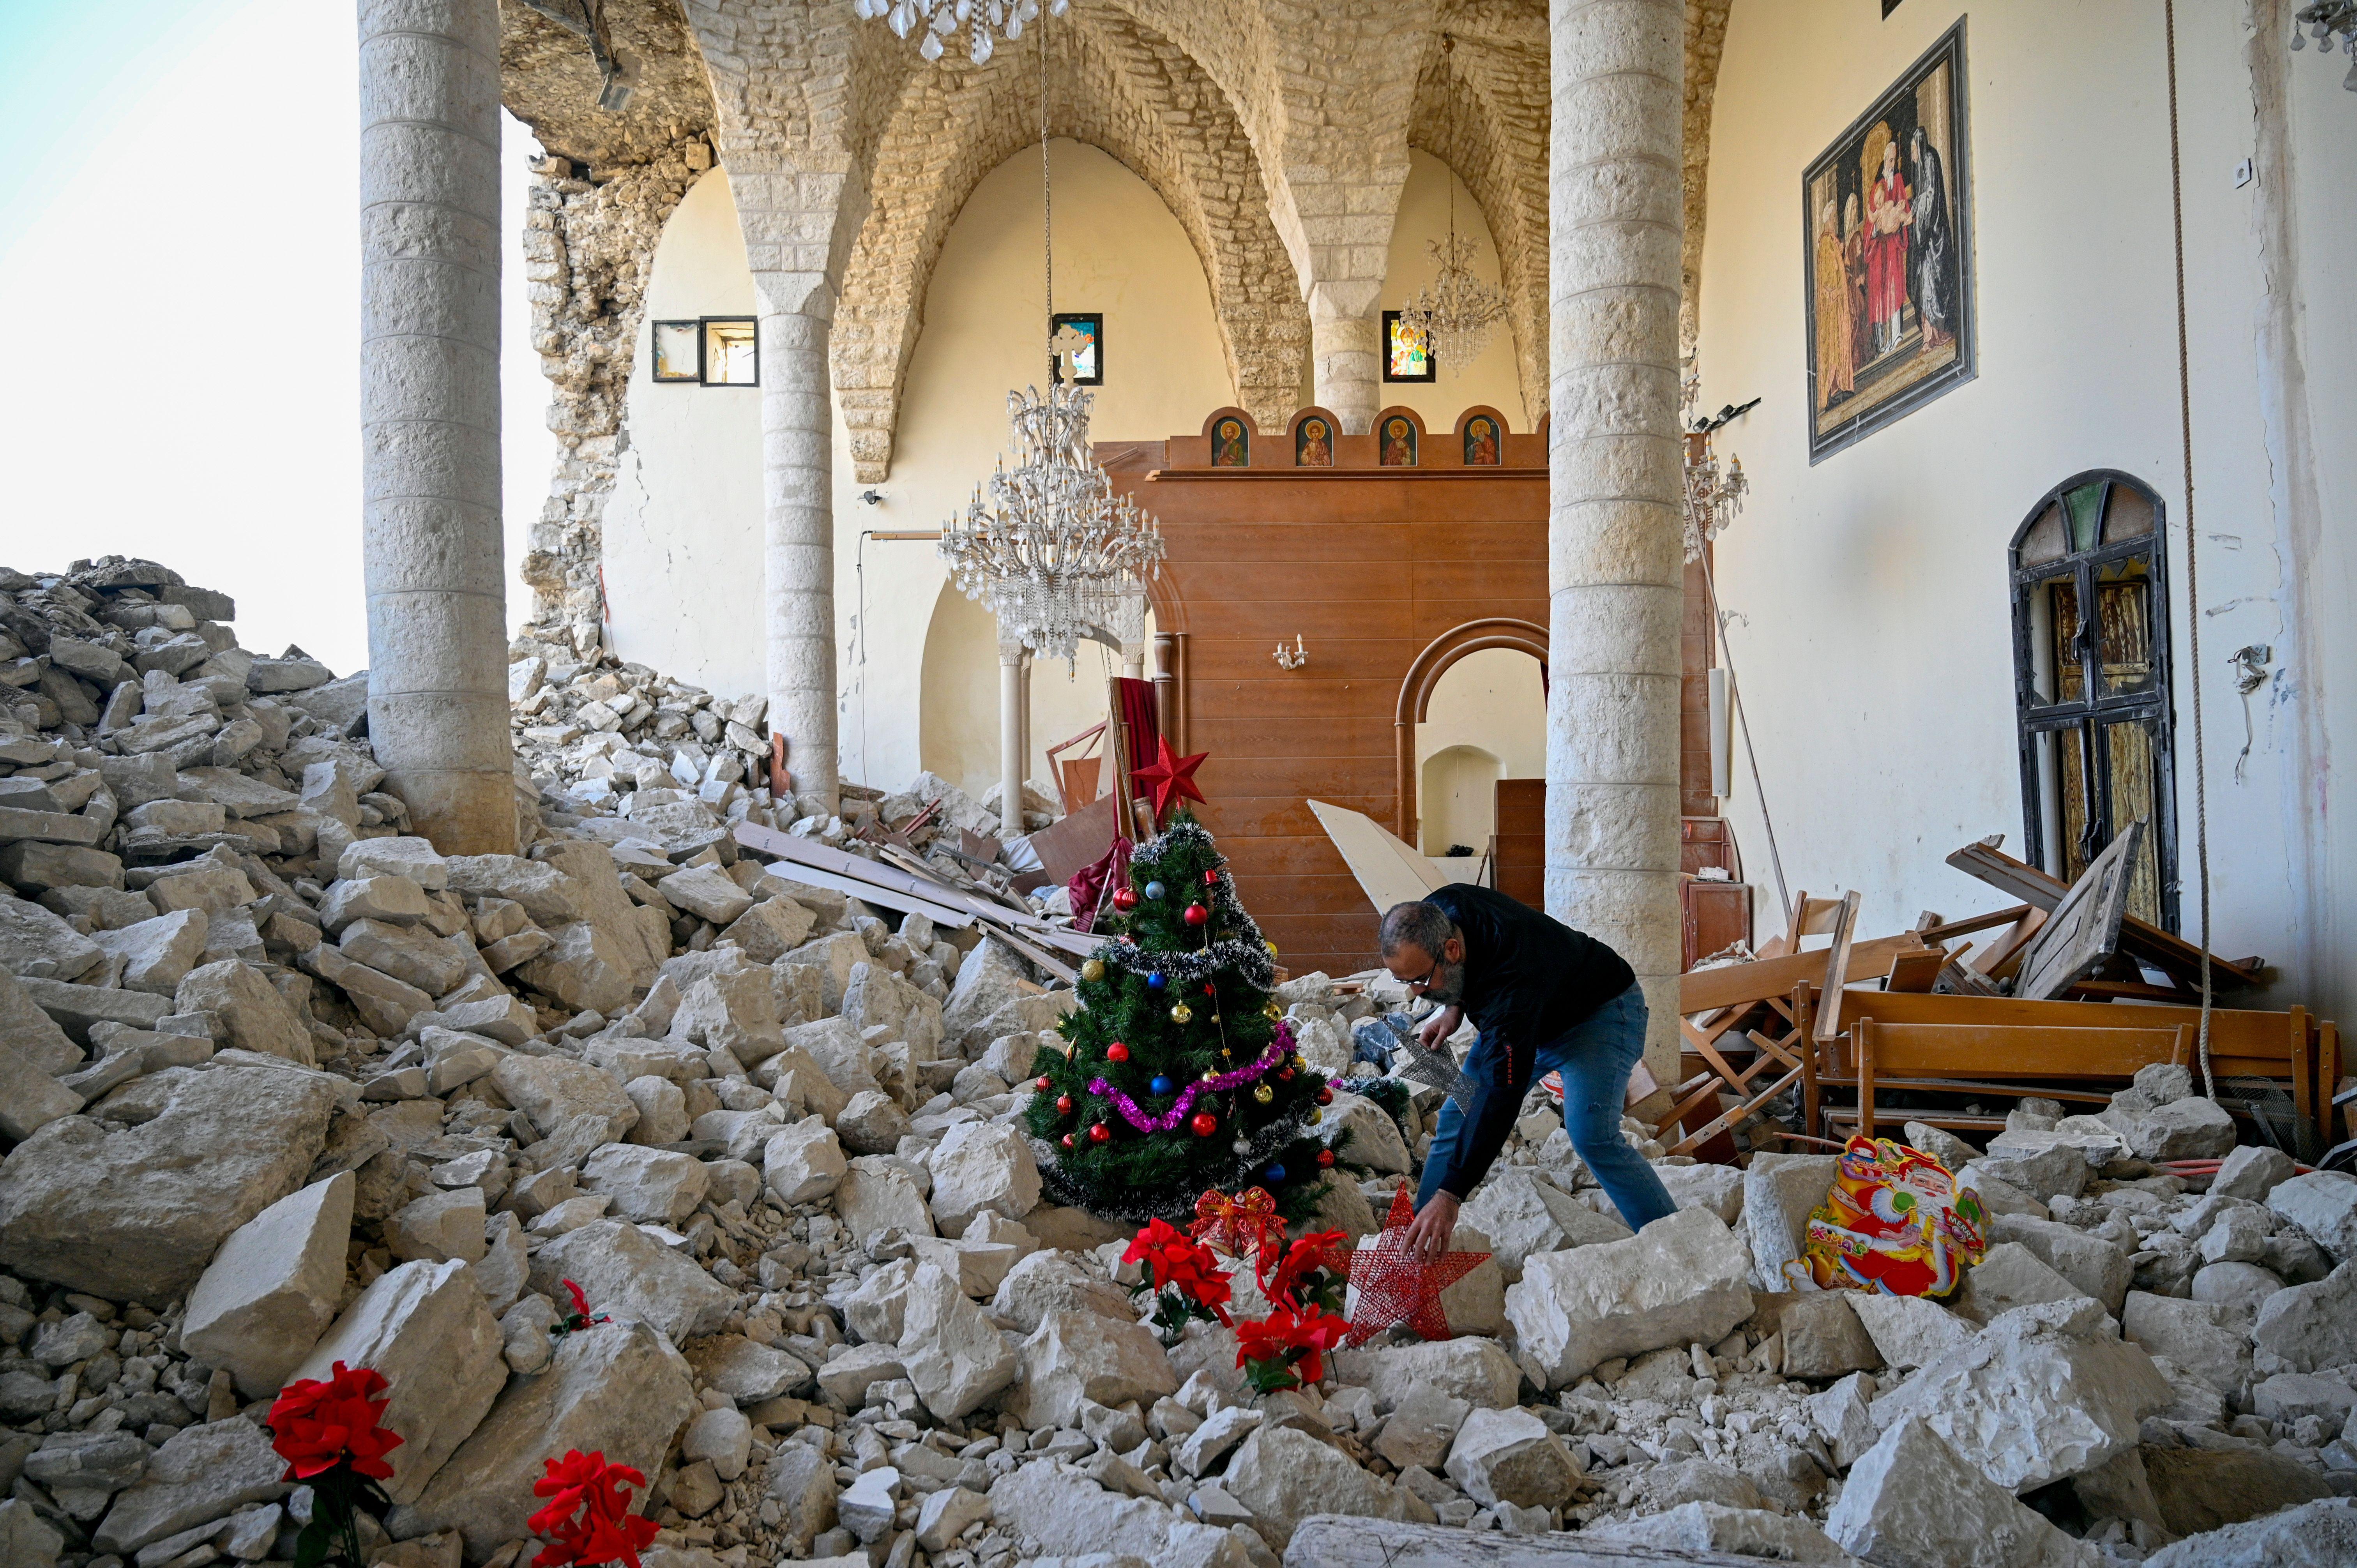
1181	1076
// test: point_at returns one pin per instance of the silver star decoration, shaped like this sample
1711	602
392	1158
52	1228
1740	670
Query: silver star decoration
1434	1069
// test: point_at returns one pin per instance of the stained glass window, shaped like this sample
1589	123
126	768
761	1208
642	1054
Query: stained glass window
1407	354
2091	649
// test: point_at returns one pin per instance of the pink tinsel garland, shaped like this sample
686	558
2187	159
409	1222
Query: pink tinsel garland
1278	1048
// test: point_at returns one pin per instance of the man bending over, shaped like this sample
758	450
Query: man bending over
1546	999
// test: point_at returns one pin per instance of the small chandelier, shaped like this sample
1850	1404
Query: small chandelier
1051	551
2329	22
942	18
1456	312
1713	496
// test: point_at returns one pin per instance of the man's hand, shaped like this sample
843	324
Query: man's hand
1428	1236
1439	1026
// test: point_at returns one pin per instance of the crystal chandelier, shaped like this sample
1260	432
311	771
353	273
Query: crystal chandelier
942	18
2329	22
1456	312
1712	496
1046	545
1050	550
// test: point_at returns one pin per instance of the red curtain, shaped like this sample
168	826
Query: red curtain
1137	711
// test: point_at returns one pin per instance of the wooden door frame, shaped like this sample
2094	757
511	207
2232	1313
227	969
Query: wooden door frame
1424	674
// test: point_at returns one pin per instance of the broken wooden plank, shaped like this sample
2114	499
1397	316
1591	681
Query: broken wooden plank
2139	938
2084	930
1733	984
1389	871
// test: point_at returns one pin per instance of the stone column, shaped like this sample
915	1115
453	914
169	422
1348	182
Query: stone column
798	508
1346	352
430	417
1014	695
1614	543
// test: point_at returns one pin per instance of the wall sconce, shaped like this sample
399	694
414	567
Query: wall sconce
1294	656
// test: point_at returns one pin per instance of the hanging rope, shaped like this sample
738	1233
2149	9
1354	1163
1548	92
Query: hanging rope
1047	189
2192	554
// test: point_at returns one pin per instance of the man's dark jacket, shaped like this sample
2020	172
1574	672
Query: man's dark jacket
1528	980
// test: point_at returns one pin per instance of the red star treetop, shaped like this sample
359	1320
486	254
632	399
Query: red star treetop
1170	777
1396	1286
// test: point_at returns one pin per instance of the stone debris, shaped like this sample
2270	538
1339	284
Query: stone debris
281	1084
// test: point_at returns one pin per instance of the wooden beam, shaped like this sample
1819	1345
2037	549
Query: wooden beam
2140	938
1734	984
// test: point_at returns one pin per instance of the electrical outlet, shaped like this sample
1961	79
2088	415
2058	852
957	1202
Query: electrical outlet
2244	172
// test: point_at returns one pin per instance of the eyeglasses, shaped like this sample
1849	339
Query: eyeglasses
1429	975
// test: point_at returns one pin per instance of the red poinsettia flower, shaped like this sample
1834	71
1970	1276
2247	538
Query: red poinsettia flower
1281	1275
587	1519
1288	1349
316	1426
1174	1258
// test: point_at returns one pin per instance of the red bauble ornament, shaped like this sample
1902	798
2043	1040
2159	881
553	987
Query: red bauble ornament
1067	1139
1063	1105
1204	1123
1325	1159
1196	914
1116	1052
1325	1094
1041	1083
1125	897
1099	1132
1284	1075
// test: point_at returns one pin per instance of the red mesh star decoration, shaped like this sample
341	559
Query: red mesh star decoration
1170	777
1396	1286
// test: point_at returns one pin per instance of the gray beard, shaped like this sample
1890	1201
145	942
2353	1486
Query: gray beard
1449	992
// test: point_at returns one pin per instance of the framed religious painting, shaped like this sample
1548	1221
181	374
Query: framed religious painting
1230	443
1484	442
1076	337
676	345
1408	350
1313	443
1887	258
1395	441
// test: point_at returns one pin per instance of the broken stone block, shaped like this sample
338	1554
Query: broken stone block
2202	1490
982	1165
197	1477
438	1227
1224	1428
1684	1279
1908	1330
650	1185
1081	1356
2007	1276
29	1098
1513	1456
1824	1338
1051	1507
2304	1329
1719	1188
2320	1534
131	1201
2195	1334
2252	1171
272	1289
947	1514
258	1018
1713	1528
415	858
802	1162
413	955
733	1012
158	953
501	1272
35	944
1780	1192
953	1353
1375	1144
2323	1204
1522	1213
2094	1265
706	892
662	1109
31	1033
1475	1370
867	1506
1842	1417
391	900
616	1389
1049	1282
2041	1394
626	1274
423	1327
1283	1476
2056	1170
585	968
801	1483
744	1370
2188	1129
1912	1502
874	1195
769	930
552	1090
872	1123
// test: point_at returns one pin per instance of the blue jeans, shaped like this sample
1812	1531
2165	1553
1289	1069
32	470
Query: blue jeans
1594	1057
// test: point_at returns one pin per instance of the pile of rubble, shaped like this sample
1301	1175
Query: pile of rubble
286	1087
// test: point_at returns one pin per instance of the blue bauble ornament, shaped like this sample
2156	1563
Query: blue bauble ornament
1274	1174
1160	1085
1154	891
1155	982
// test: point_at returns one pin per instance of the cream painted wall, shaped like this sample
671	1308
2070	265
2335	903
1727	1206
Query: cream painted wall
683	524
1870	593
1423	219
1490	702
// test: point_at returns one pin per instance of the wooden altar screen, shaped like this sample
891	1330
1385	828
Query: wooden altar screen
1368	564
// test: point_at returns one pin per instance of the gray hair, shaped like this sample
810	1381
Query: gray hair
1425	926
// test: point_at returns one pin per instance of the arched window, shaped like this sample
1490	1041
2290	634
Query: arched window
2091	682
